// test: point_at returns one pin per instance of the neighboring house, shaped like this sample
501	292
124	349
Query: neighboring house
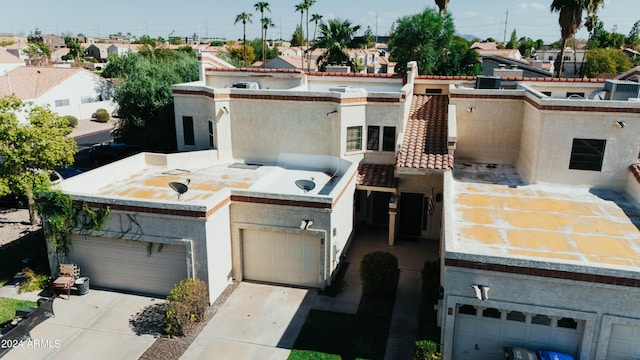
74	92
493	65
491	49
8	61
11	38
122	49
18	51
285	62
532	190
99	52
573	59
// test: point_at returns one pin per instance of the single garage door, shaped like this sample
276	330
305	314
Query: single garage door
126	265
481	333
281	257
623	342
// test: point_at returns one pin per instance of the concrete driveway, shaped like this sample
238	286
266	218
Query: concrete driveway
93	326
256	322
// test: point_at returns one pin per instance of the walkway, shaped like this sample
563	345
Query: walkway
411	255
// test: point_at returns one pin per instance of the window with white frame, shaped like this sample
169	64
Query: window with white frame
354	138
212	141
64	102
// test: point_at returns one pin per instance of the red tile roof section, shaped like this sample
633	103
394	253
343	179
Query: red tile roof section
425	138
378	175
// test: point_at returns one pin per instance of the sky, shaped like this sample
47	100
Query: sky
215	18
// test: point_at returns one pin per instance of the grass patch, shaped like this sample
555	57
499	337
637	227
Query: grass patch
34	280
349	336
311	355
8	308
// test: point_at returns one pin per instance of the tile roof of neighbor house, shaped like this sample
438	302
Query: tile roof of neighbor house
377	175
8	58
30	82
425	137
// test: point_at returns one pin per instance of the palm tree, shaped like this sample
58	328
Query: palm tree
591	22
316	18
336	36
300	7
307	5
266	24
262	6
570	19
244	17
442	5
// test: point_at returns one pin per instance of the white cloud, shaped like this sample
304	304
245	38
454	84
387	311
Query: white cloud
534	6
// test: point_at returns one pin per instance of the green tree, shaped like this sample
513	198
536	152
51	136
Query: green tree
316	18
245	54
147	40
39	53
144	96
459	59
297	38
266	24
307	7
426	38
605	61
570	19
513	41
244	17
76	52
369	40
29	151
301	7
633	39
442	5
262	6
336	36
527	45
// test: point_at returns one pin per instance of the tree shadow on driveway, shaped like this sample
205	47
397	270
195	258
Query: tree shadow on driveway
149	321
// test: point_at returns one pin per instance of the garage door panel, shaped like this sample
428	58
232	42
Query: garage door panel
281	257
126	265
623	342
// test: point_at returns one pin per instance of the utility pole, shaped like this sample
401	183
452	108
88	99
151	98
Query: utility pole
376	28
506	21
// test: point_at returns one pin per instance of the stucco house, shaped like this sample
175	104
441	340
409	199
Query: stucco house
67	91
533	193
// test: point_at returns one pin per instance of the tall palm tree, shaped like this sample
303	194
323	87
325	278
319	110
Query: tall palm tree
262	6
307	5
244	17
570	19
442	5
316	18
336	36
591	22
301	7
266	24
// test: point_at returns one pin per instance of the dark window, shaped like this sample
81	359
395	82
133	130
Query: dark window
187	127
568	323
64	102
212	142
491	313
373	138
548	93
389	138
541	319
467	309
587	154
354	138
515	316
433	91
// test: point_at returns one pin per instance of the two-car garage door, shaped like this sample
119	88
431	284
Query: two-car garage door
623	342
127	265
291	258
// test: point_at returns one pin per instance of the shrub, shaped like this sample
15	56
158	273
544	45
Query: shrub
187	305
34	281
73	121
426	350
378	273
102	115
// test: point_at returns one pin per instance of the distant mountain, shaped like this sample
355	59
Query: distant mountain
469	37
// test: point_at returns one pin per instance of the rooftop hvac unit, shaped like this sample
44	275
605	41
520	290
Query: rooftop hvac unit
246	85
488	82
621	89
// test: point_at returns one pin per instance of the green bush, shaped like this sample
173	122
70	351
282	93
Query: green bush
426	350
378	273
73	121
102	115
34	281
187	305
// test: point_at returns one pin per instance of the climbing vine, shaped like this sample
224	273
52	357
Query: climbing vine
61	215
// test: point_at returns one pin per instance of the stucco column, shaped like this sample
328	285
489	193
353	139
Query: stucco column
393	206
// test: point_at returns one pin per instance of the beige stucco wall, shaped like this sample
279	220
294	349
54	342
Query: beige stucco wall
488	130
528	160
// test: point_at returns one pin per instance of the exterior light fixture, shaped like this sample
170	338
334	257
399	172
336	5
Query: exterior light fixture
482	291
471	109
306	224
332	112
621	124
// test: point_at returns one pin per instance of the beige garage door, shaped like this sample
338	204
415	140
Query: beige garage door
623	342
280	257
126	265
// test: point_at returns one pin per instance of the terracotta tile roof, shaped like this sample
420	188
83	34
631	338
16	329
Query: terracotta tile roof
30	82
425	137
378	175
489	45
